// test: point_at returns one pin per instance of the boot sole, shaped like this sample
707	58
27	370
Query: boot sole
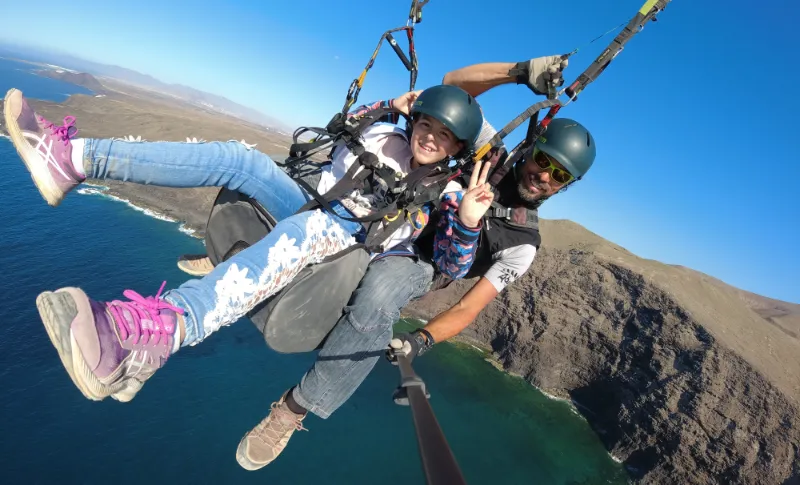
64	341
241	450
245	462
39	173
185	266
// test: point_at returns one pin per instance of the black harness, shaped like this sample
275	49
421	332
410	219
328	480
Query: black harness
404	196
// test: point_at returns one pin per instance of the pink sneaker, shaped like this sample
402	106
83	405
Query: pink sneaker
109	348
44	147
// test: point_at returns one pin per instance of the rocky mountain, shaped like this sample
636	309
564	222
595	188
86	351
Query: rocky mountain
686	379
79	78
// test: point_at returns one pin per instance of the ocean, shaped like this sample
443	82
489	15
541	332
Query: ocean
185	424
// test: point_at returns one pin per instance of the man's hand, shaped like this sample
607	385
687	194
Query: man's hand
409	344
404	102
538	73
478	198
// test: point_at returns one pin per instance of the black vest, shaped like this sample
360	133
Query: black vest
499	231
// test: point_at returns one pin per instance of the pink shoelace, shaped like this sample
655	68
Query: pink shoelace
63	133
145	323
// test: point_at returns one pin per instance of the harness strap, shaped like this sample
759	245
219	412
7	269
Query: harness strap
645	14
516	216
421	185
407	190
320	200
410	65
513	124
376	234
349	182
418	189
341	129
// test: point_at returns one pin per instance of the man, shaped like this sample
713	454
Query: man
506	251
562	156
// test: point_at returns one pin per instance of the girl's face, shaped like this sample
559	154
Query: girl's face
432	142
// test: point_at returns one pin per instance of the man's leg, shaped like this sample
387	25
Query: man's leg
359	339
363	332
195	264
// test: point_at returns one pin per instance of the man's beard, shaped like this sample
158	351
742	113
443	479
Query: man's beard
524	192
529	196
530	199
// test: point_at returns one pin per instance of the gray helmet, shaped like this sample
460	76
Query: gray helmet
570	143
455	108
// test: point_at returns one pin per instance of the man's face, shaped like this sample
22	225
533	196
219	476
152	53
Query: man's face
540	177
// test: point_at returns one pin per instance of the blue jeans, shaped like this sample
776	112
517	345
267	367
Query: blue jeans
236	286
364	330
362	334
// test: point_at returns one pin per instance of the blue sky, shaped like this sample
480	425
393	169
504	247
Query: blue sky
695	120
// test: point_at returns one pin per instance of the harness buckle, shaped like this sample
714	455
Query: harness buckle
503	212
400	189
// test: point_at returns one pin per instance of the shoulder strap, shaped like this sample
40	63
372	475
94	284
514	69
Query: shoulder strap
517	216
420	186
341	129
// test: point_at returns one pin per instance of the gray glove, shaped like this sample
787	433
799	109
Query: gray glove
410	345
540	73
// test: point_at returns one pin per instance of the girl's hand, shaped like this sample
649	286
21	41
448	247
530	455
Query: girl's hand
405	101
478	198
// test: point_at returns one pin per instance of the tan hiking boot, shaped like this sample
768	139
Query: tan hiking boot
195	264
266	441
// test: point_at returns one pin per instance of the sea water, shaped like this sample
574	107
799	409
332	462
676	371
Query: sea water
185	424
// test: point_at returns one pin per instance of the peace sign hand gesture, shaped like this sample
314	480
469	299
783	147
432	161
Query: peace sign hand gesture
479	196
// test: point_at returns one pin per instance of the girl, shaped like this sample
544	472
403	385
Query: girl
111	348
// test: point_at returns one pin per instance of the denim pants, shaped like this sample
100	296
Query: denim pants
236	286
362	334
364	330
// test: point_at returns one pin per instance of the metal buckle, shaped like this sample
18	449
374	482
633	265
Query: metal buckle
503	212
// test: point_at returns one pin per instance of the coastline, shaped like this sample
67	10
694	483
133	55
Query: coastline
96	189
680	387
